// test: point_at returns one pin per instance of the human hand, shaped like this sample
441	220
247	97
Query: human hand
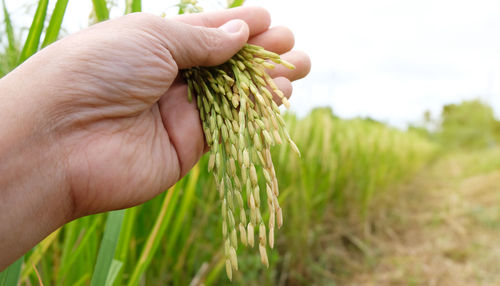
104	119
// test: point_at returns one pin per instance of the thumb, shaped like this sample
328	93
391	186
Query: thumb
199	46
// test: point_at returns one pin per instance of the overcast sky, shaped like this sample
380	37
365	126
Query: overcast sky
389	59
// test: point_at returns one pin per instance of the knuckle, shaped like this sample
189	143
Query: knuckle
143	18
211	42
145	23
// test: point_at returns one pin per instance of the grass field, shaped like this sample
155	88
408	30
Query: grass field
365	204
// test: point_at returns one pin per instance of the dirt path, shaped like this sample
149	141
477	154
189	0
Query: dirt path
443	228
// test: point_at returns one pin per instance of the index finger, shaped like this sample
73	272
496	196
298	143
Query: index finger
257	18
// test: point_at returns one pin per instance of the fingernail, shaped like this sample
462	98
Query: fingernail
233	26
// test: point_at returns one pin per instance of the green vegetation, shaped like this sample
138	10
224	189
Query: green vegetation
12	55
177	237
470	124
9	57
331	197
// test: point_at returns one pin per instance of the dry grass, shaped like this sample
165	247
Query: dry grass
443	228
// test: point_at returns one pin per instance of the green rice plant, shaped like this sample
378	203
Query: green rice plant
329	184
101	10
126	236
55	22
234	3
78	250
38	253
345	165
153	240
11	52
132	6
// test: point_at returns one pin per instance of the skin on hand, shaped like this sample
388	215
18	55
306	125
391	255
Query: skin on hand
100	120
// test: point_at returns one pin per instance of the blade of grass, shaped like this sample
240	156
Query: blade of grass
33	39
156	233
55	22
10	276
133	6
101	10
108	247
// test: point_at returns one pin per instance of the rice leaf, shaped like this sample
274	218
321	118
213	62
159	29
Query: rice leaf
215	272
133	6
8	27
188	197
10	276
82	280
9	61
136	6
101	10
107	247
73	252
155	235
116	265
33	40
126	235
55	22
236	3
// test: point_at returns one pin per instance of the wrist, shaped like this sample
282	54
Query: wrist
34	199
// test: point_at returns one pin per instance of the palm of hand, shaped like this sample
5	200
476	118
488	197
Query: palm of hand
131	124
122	162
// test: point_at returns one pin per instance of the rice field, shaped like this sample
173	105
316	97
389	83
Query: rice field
176	238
